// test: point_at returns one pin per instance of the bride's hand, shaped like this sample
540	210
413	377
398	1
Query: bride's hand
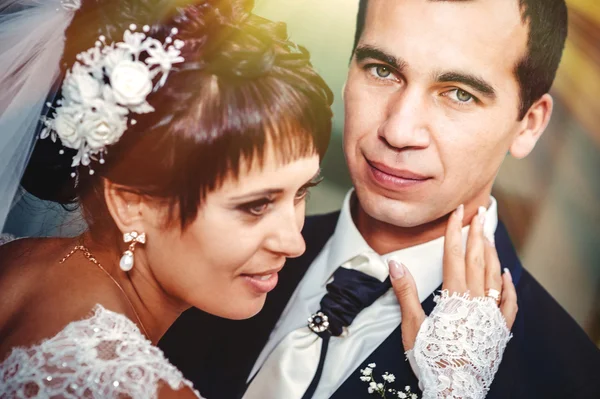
474	272
456	350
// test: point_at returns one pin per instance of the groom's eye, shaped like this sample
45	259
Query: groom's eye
382	71
463	96
379	71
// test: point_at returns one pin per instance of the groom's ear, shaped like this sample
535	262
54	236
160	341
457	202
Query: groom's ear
127	208
532	127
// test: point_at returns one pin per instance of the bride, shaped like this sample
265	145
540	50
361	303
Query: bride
189	133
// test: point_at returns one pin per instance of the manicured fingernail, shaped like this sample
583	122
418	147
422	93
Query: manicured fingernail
396	269
481	214
508	273
460	211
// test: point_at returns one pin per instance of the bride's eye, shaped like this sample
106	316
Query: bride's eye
304	191
257	208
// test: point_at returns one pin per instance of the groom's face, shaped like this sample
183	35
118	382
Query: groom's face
432	105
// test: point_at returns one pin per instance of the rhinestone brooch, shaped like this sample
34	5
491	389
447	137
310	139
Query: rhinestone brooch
318	322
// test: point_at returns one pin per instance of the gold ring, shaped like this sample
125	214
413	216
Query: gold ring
494	294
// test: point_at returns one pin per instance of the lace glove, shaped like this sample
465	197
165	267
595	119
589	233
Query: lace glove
459	347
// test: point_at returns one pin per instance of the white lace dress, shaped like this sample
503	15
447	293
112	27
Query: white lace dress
103	356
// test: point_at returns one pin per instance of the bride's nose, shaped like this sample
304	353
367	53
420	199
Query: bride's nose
285	237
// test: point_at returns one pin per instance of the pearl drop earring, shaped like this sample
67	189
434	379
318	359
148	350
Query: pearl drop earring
127	259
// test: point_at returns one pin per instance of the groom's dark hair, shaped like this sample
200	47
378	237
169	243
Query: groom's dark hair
535	72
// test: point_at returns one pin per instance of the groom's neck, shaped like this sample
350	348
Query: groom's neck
384	238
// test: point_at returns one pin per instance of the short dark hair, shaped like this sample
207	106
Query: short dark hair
242	88
535	72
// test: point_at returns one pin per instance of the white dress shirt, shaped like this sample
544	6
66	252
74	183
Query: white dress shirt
375	323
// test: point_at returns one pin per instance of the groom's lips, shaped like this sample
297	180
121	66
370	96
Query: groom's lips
392	178
263	282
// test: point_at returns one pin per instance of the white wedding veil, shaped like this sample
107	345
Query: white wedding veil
32	39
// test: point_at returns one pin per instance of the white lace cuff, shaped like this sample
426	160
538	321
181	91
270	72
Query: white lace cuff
459	347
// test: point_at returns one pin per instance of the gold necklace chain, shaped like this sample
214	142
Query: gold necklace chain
86	252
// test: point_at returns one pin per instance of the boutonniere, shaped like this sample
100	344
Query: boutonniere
382	388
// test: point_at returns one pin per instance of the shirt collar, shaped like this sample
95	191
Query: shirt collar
424	260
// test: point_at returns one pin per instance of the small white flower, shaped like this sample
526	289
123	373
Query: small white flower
370	390
407	388
389	377
414	396
373	385
402	395
131	82
372	365
133	42
178	44
367	371
365	378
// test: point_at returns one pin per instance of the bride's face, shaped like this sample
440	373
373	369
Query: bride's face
226	261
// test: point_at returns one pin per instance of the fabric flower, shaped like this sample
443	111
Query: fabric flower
103	125
104	87
79	86
131	82
115	57
66	128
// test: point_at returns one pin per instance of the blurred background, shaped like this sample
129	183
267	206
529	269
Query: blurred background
550	201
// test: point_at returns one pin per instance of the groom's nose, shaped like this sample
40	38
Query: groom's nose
405	124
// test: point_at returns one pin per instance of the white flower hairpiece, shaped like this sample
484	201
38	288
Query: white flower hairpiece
104	87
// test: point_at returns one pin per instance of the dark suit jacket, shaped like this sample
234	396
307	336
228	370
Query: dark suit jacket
549	355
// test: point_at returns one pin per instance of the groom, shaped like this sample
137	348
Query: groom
437	93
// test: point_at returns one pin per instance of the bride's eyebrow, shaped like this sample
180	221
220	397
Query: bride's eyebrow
274	191
258	193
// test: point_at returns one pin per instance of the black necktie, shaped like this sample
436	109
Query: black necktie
347	295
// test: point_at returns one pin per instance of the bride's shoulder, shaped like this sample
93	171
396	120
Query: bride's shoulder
21	252
104	353
34	286
23	265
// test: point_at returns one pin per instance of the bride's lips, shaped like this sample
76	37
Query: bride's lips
262	282
394	179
